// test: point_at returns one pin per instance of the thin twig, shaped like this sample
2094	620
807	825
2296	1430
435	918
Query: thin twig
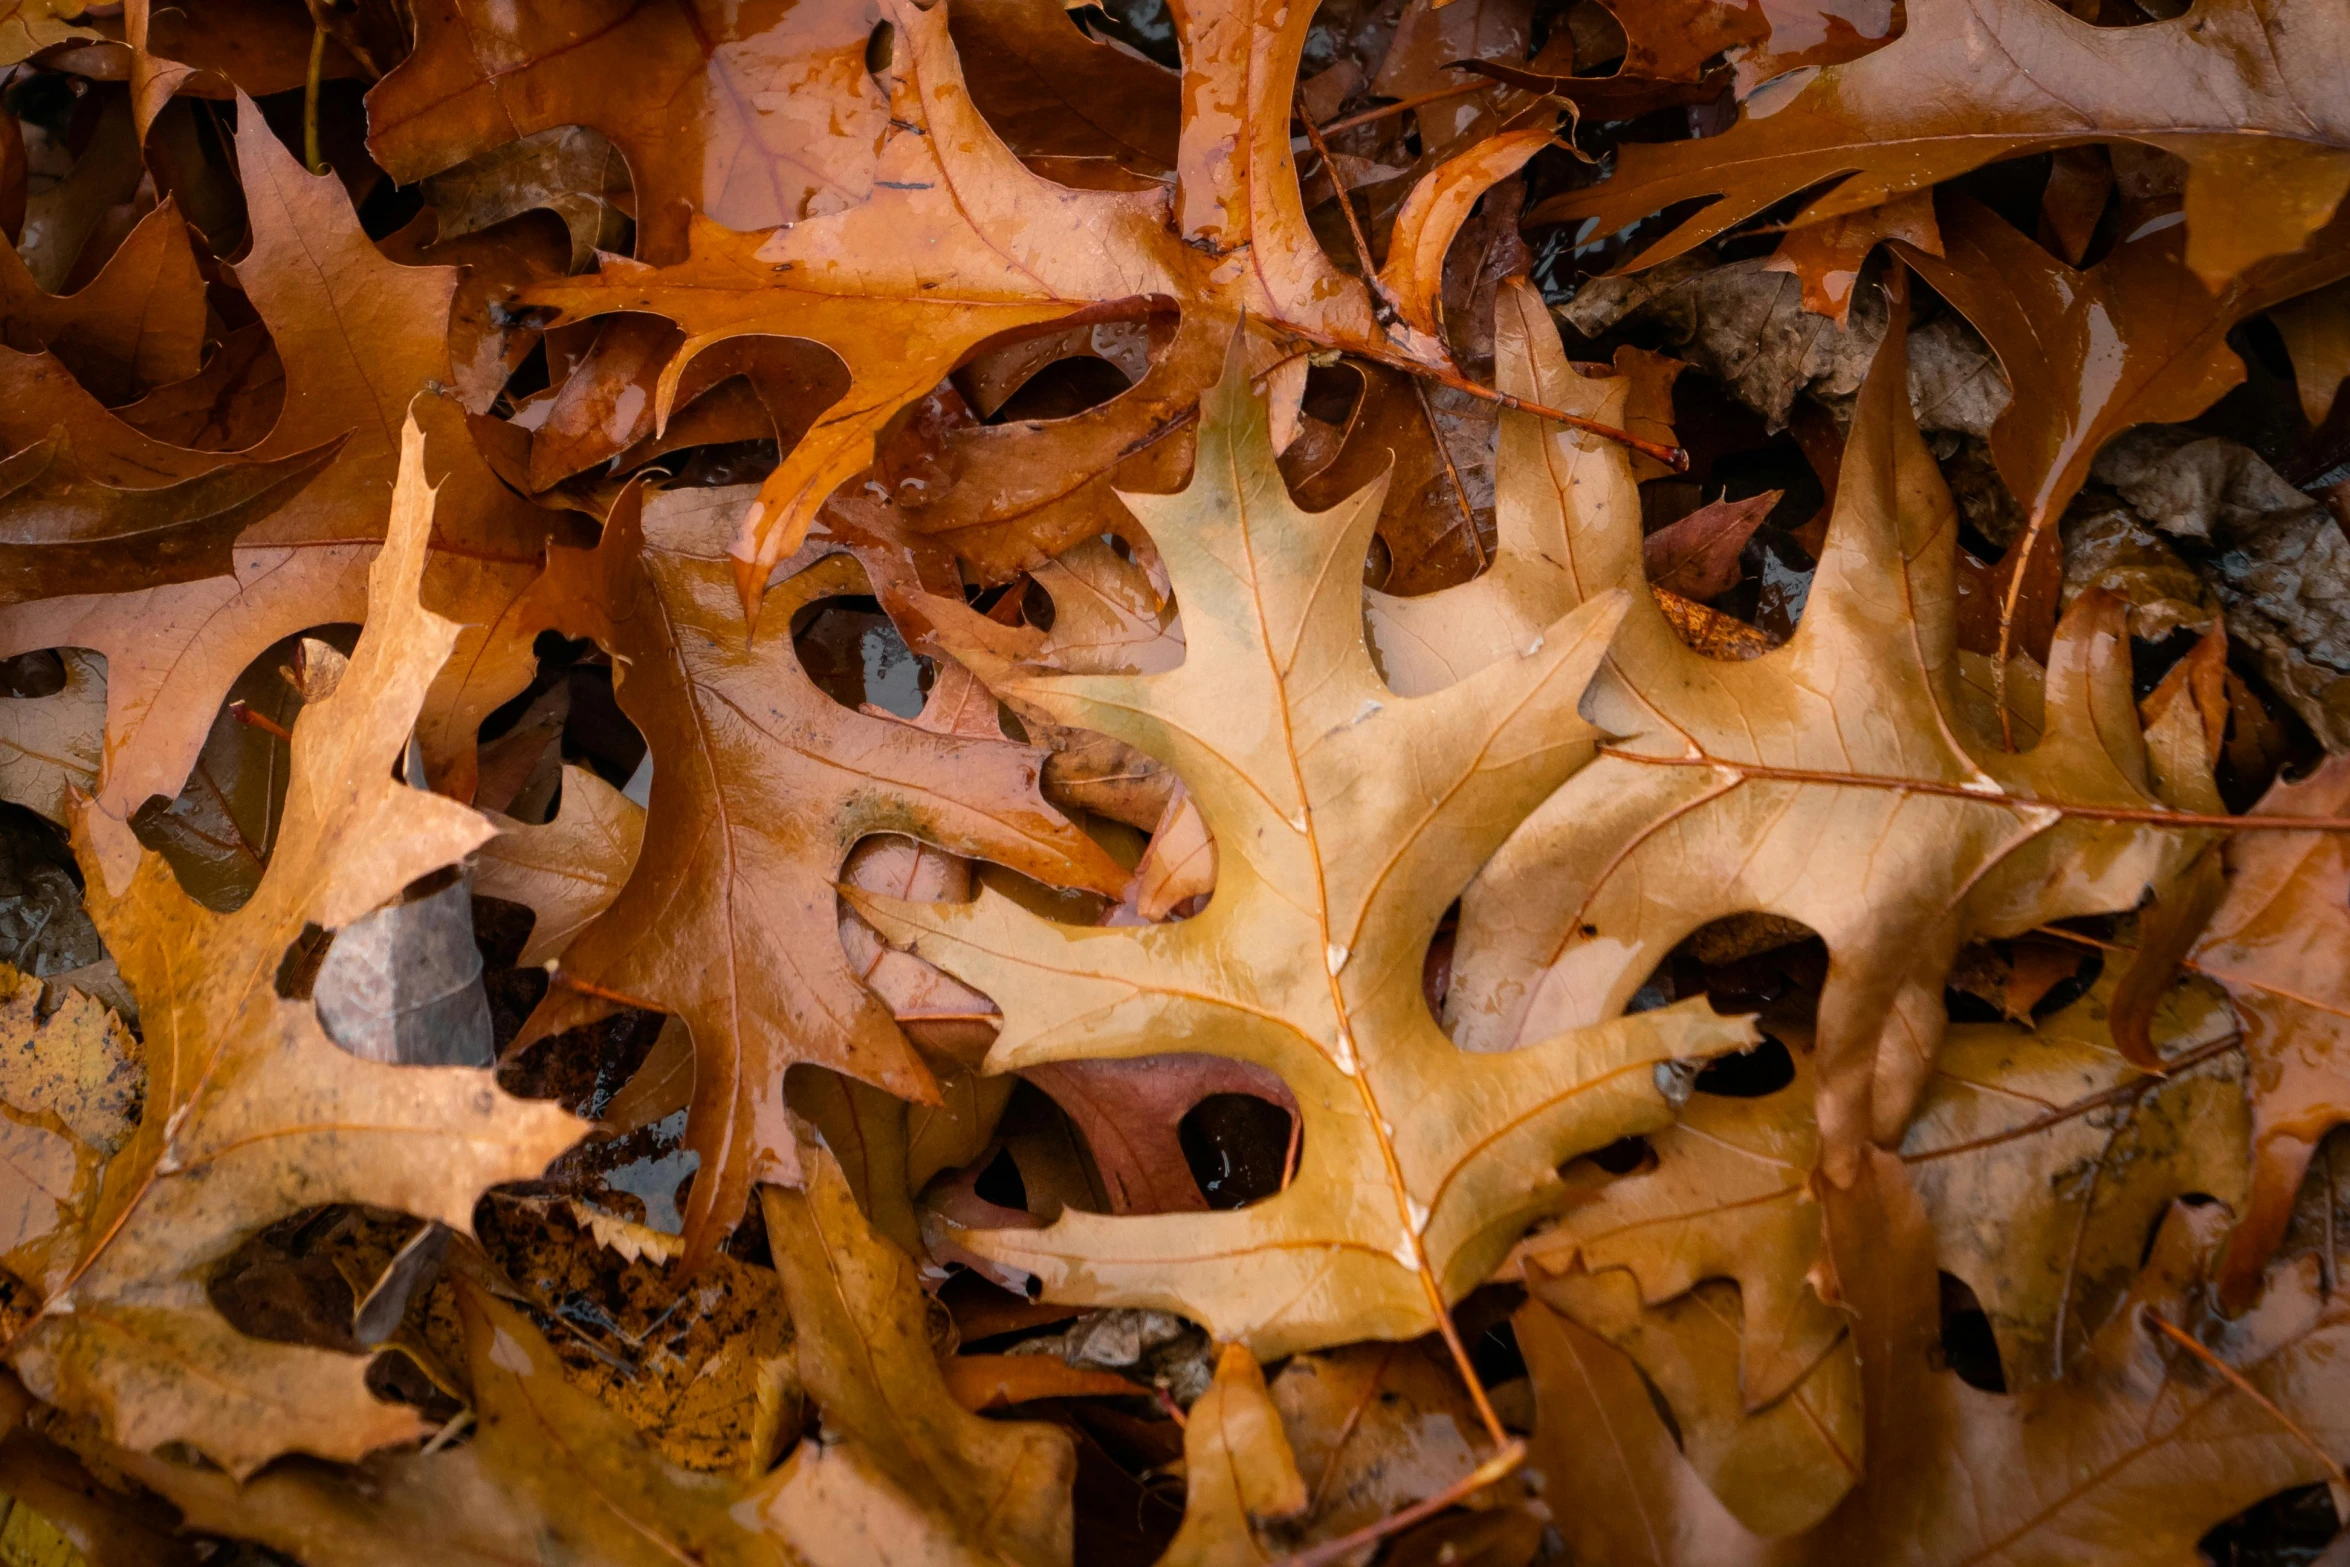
1173	1410
1368	116
2182	820
2187	1341
1346	1430
1354	225
2333	1274
1460	491
2080	1107
261	721
2072	1261
1512	1454
310	155
1672	457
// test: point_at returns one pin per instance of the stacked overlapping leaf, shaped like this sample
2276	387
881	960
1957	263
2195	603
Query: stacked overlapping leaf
1202	784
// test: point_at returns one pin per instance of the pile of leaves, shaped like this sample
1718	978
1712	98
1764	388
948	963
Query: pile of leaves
832	781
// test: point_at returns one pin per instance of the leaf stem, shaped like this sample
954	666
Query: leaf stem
2080	1107
1369	116
1672	457
2187	1341
570	981
2022	556
1512	1454
2188	821
310	157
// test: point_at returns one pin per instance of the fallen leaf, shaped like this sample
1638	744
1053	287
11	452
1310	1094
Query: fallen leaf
2044	1159
985	1382
2270	945
996	259
2057	332
1828	255
1237	1469
1778	1468
1062	100
356	333
403	984
569	170
753	766
2316	330
2117	1461
61	526
1729	1198
1434	212
251	1112
50	745
80	1064
754	117
137	326
1708	809
28	26
1673	41
1697	557
1390	1217
567	871
1927	108
548	1468
1000	1490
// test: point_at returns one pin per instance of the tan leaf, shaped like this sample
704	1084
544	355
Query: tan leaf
51	745
1237	1469
2044	1159
1839	781
567	871
2122	1462
251	1112
892	1429
548	1469
1420	1163
2275	944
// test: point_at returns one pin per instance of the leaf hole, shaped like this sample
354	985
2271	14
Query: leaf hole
2293	1526
1625	1156
1751	1074
1969	1347
1496	1355
216	833
1740	963
1001	1183
1436	967
44	929
881	47
33	675
1144	24
1241	1149
1062	390
1036	605
856	656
